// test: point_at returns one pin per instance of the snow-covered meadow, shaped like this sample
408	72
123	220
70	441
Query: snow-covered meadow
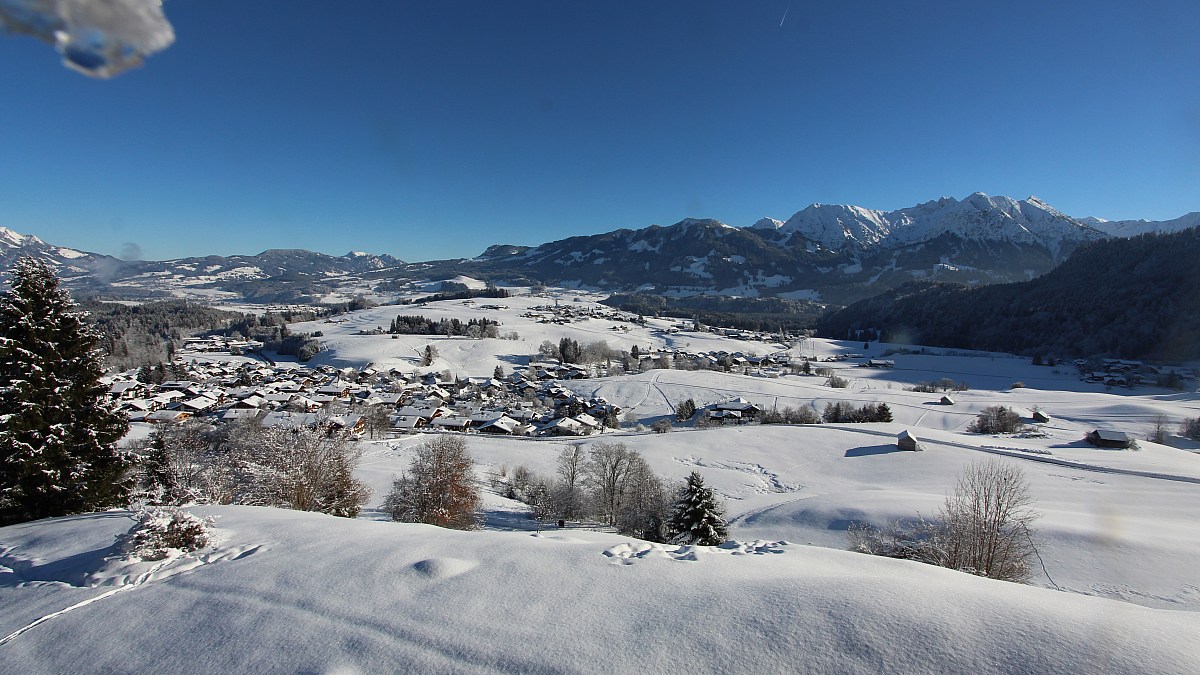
286	592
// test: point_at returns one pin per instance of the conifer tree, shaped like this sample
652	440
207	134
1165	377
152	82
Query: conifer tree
58	433
697	518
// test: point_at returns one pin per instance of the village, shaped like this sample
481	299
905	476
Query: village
528	402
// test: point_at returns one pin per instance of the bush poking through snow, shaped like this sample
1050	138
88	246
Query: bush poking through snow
996	419
1191	428
163	532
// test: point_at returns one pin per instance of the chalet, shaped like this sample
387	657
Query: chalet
565	426
408	422
743	407
290	420
198	405
167	416
137	405
236	414
906	441
355	424
590	424
452	423
501	425
125	389
725	416
1106	438
335	389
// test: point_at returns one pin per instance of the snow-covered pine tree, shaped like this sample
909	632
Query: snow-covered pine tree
697	518
58	433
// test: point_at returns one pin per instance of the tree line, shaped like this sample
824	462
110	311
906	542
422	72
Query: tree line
608	483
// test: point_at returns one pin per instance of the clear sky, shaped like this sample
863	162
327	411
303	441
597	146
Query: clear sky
433	129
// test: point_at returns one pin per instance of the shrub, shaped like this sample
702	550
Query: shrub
685	410
661	426
1017	385
838	382
160	531
1191	428
996	419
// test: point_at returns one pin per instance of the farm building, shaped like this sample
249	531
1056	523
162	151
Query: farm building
906	441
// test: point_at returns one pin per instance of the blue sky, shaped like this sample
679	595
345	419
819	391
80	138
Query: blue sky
433	129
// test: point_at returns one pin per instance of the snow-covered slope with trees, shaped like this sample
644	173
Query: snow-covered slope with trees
293	592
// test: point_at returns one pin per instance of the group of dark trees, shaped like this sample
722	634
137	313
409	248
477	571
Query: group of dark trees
420	325
752	314
842	412
455	291
1129	298
607	483
996	419
568	350
144	335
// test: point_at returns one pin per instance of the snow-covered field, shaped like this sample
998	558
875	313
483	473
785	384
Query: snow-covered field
292	592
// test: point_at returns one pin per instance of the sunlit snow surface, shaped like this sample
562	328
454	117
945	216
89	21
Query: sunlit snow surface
101	38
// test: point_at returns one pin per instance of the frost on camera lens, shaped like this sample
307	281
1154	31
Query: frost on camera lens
100	38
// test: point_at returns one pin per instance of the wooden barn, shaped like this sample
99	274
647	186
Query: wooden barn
906	441
1106	438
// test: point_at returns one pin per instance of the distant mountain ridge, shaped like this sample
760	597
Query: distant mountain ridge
832	253
838	253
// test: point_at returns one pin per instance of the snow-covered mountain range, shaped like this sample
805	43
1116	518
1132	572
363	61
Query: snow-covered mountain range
834	253
978	217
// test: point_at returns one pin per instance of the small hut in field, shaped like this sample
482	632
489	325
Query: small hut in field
906	441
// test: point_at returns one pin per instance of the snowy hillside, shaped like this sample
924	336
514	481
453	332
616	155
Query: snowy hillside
294	592
281	591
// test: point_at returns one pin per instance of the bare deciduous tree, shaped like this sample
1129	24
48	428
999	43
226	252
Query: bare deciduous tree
985	524
570	473
606	470
983	528
303	468
439	488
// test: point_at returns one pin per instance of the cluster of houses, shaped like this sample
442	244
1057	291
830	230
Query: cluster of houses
1123	373
529	402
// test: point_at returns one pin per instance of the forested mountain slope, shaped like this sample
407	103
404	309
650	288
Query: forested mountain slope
1131	298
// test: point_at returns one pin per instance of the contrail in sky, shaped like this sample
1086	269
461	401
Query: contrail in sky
785	11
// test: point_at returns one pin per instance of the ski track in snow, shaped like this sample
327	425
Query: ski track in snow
162	570
774	484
